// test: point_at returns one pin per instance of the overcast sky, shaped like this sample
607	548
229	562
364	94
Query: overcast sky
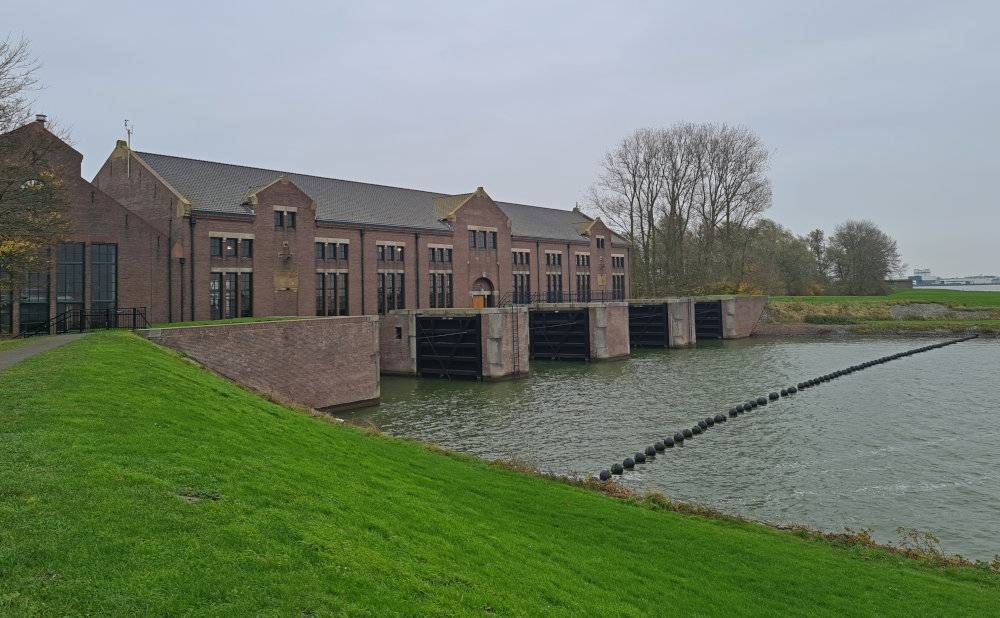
888	111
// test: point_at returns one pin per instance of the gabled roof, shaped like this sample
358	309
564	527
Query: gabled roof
222	188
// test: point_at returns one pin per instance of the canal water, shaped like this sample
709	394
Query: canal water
912	443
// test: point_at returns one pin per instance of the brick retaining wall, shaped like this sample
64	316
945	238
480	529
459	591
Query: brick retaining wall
322	363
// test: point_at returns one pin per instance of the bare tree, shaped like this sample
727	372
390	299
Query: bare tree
626	195
17	79
862	257
32	197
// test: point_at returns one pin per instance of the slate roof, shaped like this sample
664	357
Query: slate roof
223	188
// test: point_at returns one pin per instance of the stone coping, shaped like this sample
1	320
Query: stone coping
155	332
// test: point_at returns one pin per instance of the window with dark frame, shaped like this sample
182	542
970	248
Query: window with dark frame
215	246
246	295
246	247
319	250
229	247
472	239
215	296
103	277
279	219
331	251
343	250
290	218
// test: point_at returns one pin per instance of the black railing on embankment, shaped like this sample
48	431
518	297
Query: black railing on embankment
81	321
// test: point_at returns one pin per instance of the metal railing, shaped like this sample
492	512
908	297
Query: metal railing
81	321
577	296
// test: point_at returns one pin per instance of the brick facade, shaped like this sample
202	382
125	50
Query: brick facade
275	266
322	363
142	250
169	260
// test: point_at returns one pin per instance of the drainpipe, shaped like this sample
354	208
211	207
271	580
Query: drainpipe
364	254
416	252
170	277
569	282
191	224
538	270
182	289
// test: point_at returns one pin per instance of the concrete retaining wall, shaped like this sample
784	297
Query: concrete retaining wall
322	363
680	312
740	315
608	331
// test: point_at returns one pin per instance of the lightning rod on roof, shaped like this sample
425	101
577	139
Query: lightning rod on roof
128	141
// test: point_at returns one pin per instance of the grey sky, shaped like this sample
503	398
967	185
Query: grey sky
887	111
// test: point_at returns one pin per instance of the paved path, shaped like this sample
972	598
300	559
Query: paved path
18	354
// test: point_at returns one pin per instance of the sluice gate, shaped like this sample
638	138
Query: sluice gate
449	346
708	319
560	334
649	325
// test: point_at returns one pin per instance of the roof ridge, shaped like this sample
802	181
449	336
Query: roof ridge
286	172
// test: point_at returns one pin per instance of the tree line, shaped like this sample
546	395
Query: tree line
690	199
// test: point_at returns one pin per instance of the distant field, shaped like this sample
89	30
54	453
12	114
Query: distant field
952	298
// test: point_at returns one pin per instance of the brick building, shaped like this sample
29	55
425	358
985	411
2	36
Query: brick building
112	258
214	240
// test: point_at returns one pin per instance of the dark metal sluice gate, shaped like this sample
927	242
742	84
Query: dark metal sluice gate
560	335
649	326
449	346
708	319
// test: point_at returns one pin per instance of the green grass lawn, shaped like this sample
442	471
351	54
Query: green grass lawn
951	298
134	482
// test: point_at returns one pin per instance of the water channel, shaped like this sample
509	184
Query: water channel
911	443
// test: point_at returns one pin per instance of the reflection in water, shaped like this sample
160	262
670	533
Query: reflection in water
902	444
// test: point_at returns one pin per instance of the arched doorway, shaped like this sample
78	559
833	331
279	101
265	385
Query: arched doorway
482	293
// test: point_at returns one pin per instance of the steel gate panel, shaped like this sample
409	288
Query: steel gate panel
560	335
708	319
449	346
649	326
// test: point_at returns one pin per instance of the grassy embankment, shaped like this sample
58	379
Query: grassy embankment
979	311
137	483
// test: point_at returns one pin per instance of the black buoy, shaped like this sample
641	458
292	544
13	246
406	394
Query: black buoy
701	425
639	457
628	463
669	442
604	475
792	390
719	418
733	413
616	468
696	430
659	446
750	405
679	437
773	396
650	451
762	401
738	408
784	392
710	420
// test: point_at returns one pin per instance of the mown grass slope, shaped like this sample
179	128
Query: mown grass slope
951	298
136	483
